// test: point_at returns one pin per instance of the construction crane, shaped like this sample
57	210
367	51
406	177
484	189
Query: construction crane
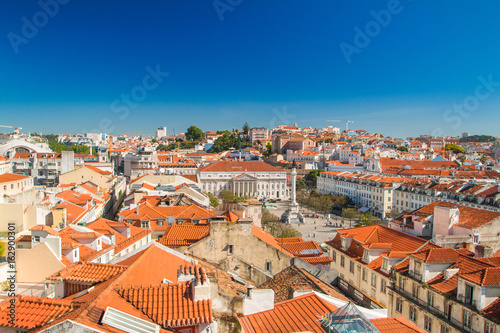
16	129
343	121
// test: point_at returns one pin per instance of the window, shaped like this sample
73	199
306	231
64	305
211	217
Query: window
36	239
399	305
342	261
427	323
230	249
144	224
365	278
444	329
374	280
366	256
383	286
415	290
268	267
489	327
413	313
351	267
467	319
430	298
334	256
160	223
475	238
385	264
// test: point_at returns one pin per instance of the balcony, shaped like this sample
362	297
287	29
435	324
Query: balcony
468	301
417	276
423	305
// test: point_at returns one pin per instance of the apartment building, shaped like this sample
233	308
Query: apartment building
12	184
453	225
5	165
259	134
374	192
447	290
45	168
364	257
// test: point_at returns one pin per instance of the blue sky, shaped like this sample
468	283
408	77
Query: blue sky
261	62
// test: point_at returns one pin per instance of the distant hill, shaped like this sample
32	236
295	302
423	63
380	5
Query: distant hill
478	138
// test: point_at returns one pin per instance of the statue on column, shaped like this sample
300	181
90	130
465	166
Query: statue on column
292	214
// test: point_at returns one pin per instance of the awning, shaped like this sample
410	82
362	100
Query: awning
364	209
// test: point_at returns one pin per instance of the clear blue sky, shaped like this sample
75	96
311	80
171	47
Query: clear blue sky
264	62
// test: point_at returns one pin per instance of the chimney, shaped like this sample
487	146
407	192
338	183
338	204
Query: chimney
249	290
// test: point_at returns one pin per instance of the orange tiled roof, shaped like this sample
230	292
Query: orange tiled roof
303	249
33	311
269	239
87	273
41	227
11	177
489	276
322	260
239	166
437	255
395	325
93	168
169	304
296	315
183	234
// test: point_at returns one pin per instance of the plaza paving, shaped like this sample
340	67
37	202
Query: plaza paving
314	228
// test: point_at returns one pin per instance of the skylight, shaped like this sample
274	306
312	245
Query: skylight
125	322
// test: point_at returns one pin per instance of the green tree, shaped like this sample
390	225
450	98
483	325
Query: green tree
3	247
368	219
229	140
483	159
280	229
403	148
162	147
193	133
454	148
313	176
214	202
268	217
350	213
228	196
478	138
268	151
154	140
300	184
245	128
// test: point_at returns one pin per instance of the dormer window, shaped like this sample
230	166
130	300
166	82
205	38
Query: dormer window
145	224
366	255
160	223
36	239
385	264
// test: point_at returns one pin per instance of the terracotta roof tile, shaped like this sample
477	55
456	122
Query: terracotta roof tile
88	273
41	227
395	325
33	311
183	234
239	166
489	276
11	177
169	304
437	255
302	249
296	315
